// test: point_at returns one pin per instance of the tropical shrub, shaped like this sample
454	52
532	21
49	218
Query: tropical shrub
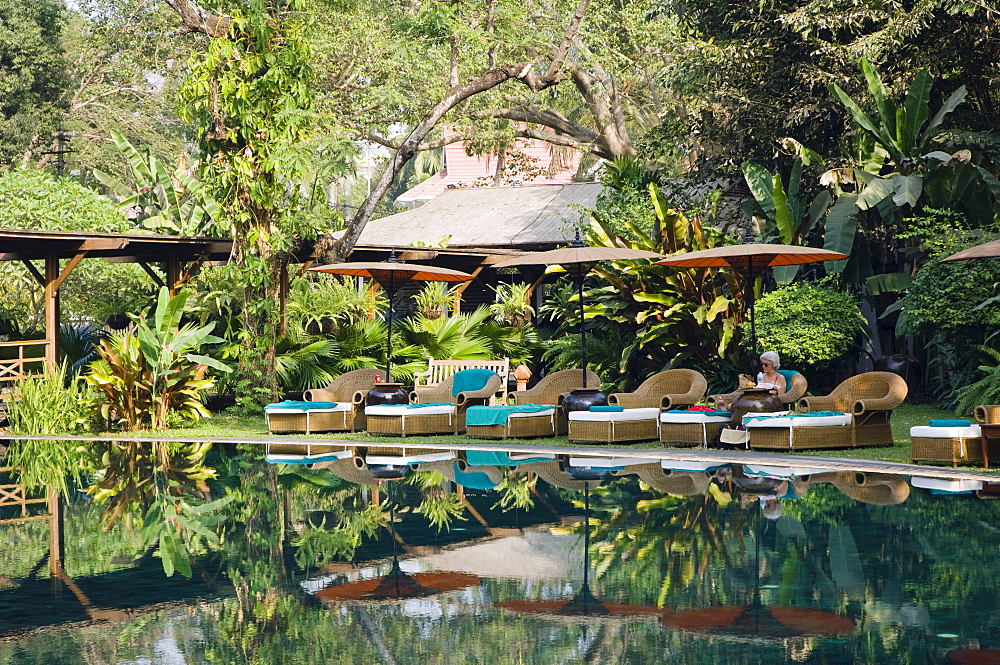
155	373
512	307
672	316
808	324
47	405
987	389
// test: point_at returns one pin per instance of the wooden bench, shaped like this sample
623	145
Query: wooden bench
440	370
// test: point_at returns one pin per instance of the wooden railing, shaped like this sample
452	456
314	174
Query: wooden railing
14	495
30	359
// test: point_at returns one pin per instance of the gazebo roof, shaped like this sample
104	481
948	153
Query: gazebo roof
30	244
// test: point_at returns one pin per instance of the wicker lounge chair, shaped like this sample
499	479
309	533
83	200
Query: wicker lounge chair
639	420
445	413
988	413
670	389
550	390
796	388
870	398
348	391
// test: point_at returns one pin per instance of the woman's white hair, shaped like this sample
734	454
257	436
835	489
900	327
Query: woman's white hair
773	357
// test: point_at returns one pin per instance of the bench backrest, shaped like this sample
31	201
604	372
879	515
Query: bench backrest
440	370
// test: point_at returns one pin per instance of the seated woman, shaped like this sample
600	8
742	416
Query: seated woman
769	378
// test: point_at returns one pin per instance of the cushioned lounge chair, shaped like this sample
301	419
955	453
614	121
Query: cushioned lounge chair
437	410
343	406
870	399
551	389
670	389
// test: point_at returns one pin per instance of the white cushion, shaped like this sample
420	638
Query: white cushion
547	413
403	411
691	417
341	406
614	416
688	465
946	485
801	421
928	432
411	459
610	462
781	471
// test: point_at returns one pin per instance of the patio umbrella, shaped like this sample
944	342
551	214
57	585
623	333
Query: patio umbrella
750	260
988	250
391	275
578	260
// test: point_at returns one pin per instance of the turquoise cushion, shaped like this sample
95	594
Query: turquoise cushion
470	379
789	374
611	409
949	423
305	406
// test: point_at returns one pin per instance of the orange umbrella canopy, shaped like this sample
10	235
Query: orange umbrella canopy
398	585
768	621
987	250
752	256
395	272
578	254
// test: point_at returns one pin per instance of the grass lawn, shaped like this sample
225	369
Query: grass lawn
226	425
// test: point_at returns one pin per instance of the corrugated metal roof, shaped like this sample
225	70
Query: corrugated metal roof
488	217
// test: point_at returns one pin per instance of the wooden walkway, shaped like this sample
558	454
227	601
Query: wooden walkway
688	455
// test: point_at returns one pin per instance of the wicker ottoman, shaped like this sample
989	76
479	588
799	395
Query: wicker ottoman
690	427
309	417
946	444
402	420
519	425
803	432
613	426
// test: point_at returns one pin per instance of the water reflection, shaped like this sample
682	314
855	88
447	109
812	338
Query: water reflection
537	559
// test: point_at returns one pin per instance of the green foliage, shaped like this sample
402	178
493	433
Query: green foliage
672	316
984	391
512	307
33	200
48	404
435	299
808	324
174	525
327	304
34	78
176	203
157	372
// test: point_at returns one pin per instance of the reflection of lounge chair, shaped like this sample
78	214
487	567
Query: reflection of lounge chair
551	389
669	481
795	387
344	401
870	399
880	489
437	410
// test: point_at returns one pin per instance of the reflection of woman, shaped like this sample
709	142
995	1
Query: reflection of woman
769	377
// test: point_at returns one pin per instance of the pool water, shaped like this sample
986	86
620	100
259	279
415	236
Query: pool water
723	565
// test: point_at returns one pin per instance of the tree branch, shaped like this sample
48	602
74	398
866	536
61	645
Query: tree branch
197	19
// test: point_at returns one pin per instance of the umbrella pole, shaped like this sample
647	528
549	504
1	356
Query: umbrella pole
586	543
583	332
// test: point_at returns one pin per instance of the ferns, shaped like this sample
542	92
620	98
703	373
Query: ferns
984	391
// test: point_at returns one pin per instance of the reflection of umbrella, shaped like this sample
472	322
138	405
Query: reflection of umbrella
398	585
750	260
391	276
583	604
578	260
988	250
757	620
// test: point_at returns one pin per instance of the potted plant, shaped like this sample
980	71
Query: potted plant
434	299
512	305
